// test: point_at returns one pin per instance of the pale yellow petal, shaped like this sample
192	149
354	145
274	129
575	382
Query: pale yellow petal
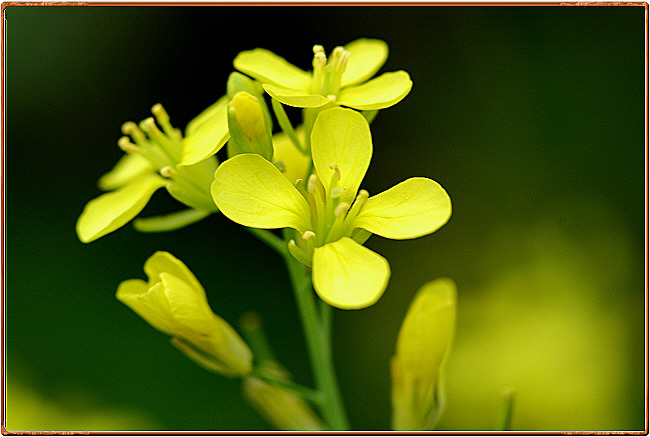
267	67
113	210
164	262
128	168
348	275
381	92
297	98
207	135
207	116
366	58
251	191
149	303
341	136
189	307
410	209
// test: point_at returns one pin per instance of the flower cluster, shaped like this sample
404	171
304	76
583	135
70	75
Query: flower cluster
306	181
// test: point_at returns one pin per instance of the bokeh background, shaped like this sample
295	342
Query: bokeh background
532	118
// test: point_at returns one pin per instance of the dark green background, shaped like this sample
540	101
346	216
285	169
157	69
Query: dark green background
532	118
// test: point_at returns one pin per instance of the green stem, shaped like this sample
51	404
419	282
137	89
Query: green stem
317	337
314	396
270	239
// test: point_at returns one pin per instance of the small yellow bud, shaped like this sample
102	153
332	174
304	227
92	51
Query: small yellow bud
249	132
174	302
281	407
249	115
422	348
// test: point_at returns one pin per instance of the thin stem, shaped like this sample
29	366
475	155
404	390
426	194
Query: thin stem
319	352
504	420
270	239
314	396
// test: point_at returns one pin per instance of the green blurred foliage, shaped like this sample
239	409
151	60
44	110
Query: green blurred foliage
532	118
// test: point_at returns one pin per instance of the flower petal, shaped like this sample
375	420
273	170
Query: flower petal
293	162
206	116
206	134
341	136
170	222
348	275
149	303
189	307
129	167
113	210
251	191
381	92
366	58
297	98
164	262
410	209
267	67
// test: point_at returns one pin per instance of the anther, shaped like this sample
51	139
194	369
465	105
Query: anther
311	183
127	146
362	196
318	49
168	172
308	235
332	97
149	126
336	169
131	129
159	112
341	208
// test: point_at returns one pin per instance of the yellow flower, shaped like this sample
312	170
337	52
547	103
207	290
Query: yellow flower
331	218
422	348
174	302
281	407
339	80
158	158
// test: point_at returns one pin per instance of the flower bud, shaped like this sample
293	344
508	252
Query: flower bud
249	131
281	407
422	348
174	302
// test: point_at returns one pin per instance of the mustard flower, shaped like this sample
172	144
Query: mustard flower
332	220
341	80
158	158
423	345
174	302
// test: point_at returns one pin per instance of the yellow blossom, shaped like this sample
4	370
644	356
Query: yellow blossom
333	218
174	302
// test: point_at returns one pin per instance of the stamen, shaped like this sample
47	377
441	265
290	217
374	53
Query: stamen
341	208
131	129
354	210
148	125
163	119
319	62
336	55
168	172
298	253
332	97
343	62
127	146
308	235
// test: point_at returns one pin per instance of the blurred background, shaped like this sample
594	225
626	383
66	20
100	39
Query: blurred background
532	118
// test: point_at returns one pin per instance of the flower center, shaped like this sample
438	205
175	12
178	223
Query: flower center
162	148
326	78
332	210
